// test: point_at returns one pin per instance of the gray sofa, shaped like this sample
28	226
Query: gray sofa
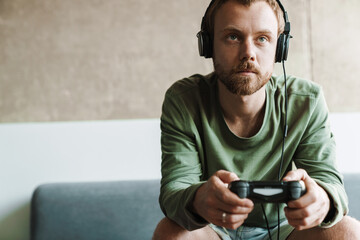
113	210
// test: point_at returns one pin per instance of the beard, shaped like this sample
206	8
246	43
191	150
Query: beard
239	84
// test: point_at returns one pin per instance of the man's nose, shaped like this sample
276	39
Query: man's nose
247	50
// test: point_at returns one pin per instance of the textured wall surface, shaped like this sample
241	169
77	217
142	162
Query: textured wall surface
335	33
68	60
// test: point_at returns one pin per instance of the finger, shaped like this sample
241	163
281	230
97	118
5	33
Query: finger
226	176
226	201
304	218
235	209
296	175
229	220
304	223
309	197
300	175
310	185
237	213
303	202
230	199
301	213
224	195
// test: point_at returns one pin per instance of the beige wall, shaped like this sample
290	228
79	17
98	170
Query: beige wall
65	60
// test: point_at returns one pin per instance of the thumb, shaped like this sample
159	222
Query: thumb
226	176
300	174
296	175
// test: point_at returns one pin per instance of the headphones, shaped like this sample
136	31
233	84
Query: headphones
205	43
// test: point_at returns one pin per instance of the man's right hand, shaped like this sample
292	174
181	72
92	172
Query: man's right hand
218	205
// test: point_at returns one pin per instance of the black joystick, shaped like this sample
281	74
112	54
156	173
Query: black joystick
268	191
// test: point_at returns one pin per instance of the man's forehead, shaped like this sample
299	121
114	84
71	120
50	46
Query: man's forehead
258	15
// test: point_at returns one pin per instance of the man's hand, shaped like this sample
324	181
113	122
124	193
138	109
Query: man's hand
311	209
218	205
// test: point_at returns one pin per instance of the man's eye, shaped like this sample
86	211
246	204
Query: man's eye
232	37
262	39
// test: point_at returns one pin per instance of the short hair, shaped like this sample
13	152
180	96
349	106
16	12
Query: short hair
210	14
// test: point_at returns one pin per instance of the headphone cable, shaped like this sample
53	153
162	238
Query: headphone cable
283	140
266	220
285	124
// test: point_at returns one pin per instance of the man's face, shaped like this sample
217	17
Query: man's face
244	46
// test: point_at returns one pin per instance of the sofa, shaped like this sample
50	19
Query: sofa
113	210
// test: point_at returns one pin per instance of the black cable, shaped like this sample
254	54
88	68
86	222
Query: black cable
267	223
278	232
283	140
285	122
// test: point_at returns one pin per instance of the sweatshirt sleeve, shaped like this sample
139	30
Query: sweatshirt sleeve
180	167
316	153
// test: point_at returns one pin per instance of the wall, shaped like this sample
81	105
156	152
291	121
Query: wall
65	60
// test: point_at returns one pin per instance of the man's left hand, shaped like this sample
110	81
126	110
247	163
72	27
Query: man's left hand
309	210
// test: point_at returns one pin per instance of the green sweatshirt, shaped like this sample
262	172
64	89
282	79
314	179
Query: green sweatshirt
196	142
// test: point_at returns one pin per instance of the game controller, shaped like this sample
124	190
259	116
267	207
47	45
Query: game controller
268	191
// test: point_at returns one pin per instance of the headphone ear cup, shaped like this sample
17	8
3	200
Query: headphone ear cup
282	48
279	53
286	46
204	44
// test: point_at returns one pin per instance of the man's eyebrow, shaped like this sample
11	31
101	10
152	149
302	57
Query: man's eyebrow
266	32
231	29
237	30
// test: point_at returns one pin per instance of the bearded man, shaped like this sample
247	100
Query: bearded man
229	125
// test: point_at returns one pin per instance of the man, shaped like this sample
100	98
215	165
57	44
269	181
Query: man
229	125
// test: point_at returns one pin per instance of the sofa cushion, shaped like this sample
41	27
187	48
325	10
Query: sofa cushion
113	210
352	187
97	210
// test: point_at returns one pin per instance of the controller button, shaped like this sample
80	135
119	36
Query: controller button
268	191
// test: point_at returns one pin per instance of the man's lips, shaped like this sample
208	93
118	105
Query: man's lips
246	68
246	72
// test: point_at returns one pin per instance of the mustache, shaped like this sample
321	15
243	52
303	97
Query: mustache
245	66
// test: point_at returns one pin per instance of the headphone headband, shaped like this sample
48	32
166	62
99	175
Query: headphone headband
286	19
